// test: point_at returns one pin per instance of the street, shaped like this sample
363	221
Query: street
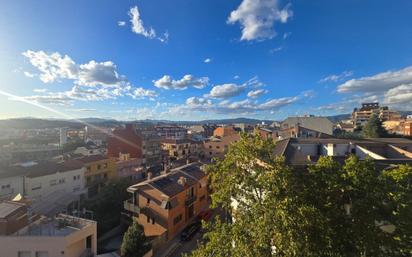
186	247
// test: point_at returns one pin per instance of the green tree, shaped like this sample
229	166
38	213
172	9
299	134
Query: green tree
108	204
326	209
135	243
373	128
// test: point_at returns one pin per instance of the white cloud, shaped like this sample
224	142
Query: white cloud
140	93
336	77
83	110
196	101
257	18
54	67
121	23
166	82
29	75
226	90
256	93
236	77
286	35
137	24
277	49
399	95
40	90
139	28
378	83
277	103
207	60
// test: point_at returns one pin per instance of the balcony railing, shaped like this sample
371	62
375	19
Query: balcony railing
190	200
130	206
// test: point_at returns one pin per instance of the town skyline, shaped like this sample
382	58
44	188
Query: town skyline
202	60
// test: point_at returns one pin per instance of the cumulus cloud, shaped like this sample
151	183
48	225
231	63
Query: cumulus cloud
207	60
139	28
336	77
398	95
378	83
121	23
257	18
226	90
166	82
256	93
246	106
29	75
198	101
40	90
140	93
55	67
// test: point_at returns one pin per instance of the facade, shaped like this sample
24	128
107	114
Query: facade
319	124
11	183
98	171
216	147
181	148
152	148
51	186
131	168
125	141
62	236
171	132
305	151
23	153
361	116
407	128
168	203
300	132
265	133
224	131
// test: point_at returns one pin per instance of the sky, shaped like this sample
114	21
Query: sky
196	60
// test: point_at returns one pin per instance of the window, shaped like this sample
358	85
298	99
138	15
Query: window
36	187
3	187
99	166
210	153
75	189
24	254
104	165
105	176
74	177
148	201
202	198
62	181
148	219
88	168
42	254
177	219
153	221
217	147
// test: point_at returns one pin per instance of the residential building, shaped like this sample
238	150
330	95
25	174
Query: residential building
407	128
29	152
131	168
361	116
304	151
216	147
300	132
171	132
181	148
312	123
152	148
51	186
22	235
98	171
11	183
166	204
224	131
266	133
125	141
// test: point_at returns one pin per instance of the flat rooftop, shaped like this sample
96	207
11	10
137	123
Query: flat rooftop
8	208
62	225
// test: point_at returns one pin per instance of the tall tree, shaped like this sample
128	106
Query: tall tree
327	209
135	243
373	128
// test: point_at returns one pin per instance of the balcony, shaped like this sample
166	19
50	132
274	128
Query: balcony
190	200
130	206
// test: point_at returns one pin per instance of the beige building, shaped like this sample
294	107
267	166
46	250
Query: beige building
361	116
181	148
216	147
23	235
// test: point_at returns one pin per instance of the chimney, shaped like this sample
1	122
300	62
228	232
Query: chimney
149	175
182	181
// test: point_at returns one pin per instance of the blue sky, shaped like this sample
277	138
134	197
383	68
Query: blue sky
193	60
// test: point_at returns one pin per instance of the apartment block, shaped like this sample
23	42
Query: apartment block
166	204
217	145
361	116
171	132
181	148
23	235
99	170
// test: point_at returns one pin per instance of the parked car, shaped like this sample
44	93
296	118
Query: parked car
190	231
205	215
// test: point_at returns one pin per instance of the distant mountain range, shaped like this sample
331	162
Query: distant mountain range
34	123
